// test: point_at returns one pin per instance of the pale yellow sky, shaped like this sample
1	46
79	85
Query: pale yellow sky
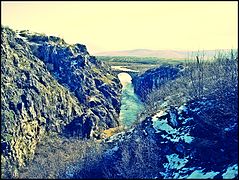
106	26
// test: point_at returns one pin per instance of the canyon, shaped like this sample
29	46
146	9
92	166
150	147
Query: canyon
170	121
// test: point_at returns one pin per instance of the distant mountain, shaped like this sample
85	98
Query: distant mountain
168	54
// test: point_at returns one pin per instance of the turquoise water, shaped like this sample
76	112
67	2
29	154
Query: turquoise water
130	105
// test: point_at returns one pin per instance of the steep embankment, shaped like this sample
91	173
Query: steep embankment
188	130
190	141
152	79
49	86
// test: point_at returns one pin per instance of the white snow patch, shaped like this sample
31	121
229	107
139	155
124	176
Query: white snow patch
196	109
178	174
187	138
186	120
110	152
74	62
230	128
182	108
199	174
115	148
231	172
205	103
162	125
174	162
226	129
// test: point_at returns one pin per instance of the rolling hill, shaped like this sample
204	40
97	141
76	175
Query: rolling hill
168	54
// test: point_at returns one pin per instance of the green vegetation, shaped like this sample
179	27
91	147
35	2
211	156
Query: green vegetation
137	63
200	79
134	59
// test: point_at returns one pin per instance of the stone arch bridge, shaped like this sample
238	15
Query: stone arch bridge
119	69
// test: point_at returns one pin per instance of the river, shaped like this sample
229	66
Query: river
130	103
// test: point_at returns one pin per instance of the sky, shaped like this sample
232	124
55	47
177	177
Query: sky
120	25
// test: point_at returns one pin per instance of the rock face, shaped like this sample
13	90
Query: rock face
188	143
50	86
154	78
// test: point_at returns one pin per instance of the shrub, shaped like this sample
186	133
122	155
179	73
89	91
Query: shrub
61	158
217	79
137	160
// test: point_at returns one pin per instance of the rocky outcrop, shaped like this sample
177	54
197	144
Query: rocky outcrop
176	142
189	141
152	79
49	86
88	79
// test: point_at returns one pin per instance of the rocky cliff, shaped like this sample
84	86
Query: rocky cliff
191	141
152	79
49	86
